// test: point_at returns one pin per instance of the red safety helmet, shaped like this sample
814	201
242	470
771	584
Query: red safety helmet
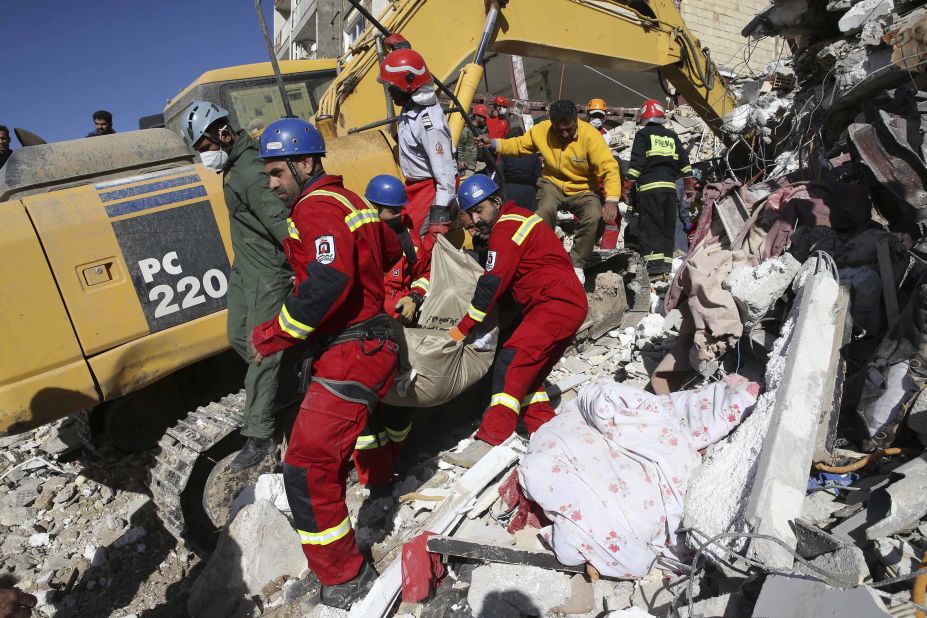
405	69
501	101
480	110
652	109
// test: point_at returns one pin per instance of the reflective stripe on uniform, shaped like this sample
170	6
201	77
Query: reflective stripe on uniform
632	173
356	218
398	435
525	228
686	170
370	441
538	397
668	259
527	224
656	185
654	257
328	536
293	327
291	229
422	283
503	399
657	153
476	314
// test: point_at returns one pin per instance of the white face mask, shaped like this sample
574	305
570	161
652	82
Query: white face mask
503	111
216	160
596	122
425	95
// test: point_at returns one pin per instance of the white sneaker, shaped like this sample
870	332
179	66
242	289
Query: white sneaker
580	275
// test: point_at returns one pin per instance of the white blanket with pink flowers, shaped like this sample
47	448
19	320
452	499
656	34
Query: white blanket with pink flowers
610	471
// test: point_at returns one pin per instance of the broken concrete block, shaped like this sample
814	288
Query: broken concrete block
732	605
786	597
819	506
862	12
898	557
257	548
901	505
509	590
651	326
800	401
756	289
574	364
847	564
582	597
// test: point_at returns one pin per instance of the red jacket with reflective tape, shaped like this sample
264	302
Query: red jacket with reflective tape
403	278
339	250
525	257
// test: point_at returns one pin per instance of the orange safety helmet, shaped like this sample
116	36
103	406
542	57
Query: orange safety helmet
652	109
501	101
405	69
596	105
480	110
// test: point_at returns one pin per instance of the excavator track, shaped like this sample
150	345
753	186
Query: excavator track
179	449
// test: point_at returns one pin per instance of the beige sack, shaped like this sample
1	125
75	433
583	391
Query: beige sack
441	368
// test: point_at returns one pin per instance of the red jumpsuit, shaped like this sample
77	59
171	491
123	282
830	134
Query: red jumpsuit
380	444
339	250
526	258
497	128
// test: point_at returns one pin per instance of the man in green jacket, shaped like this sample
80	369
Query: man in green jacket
261	277
469	161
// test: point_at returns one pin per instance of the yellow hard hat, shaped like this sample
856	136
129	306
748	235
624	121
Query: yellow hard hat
596	105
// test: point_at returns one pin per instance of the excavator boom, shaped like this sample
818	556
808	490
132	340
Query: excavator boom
603	33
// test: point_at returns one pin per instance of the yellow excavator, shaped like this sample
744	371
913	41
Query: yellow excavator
118	248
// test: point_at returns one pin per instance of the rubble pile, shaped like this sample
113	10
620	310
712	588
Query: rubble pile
81	533
698	140
844	53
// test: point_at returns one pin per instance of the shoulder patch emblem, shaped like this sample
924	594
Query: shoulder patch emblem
490	261
439	149
325	249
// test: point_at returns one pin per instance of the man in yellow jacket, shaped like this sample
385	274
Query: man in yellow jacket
576	159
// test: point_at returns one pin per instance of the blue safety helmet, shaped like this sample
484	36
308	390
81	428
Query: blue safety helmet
474	190
291	137
386	190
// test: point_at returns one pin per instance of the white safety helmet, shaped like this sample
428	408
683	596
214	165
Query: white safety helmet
198	116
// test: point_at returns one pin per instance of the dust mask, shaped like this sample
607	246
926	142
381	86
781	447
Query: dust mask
216	160
596	122
503	111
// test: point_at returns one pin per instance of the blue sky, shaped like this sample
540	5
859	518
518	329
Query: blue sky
62	60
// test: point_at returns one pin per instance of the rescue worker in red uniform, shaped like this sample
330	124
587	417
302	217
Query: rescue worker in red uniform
497	125
380	444
339	250
426	152
528	260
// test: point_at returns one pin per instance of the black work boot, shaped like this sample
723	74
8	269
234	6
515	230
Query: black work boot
350	592
252	453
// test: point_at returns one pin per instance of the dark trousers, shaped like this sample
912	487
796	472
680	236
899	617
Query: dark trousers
525	196
657	210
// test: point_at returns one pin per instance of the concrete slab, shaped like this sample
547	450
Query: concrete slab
787	597
900	506
782	469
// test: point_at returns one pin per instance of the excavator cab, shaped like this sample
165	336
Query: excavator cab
251	95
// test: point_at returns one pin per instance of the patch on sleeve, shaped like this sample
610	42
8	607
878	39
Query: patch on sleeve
439	149
490	261
325	249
